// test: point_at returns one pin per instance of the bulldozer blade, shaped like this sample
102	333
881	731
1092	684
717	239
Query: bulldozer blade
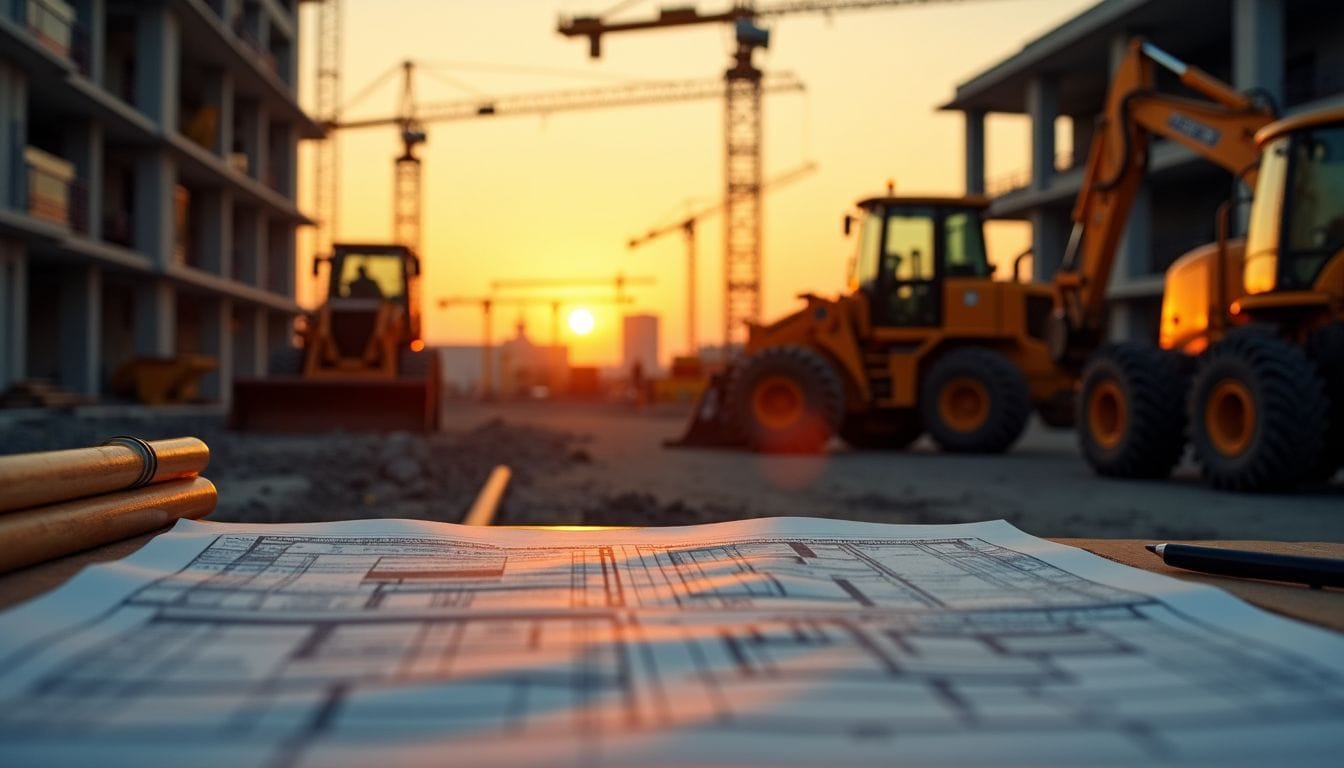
708	428
295	404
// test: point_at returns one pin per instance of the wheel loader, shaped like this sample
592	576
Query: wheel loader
925	340
1249	365
362	365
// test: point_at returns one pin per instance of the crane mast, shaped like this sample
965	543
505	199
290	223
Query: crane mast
742	123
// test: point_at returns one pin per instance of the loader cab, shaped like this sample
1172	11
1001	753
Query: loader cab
361	281
1296	227
907	247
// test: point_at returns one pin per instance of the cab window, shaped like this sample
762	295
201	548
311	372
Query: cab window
1262	237
964	245
1314	214
865	262
371	276
908	252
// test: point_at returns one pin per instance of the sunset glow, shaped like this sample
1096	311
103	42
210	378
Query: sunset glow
581	322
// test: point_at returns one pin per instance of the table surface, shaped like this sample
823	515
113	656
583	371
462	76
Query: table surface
1322	607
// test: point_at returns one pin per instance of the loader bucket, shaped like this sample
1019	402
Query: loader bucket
295	404
708	428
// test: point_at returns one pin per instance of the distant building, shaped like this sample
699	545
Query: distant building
148	182
1293	51
639	342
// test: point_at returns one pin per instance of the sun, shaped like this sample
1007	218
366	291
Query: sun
581	322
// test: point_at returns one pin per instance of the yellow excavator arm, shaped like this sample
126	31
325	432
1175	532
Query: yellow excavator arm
1220	128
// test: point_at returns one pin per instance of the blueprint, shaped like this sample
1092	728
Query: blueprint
780	641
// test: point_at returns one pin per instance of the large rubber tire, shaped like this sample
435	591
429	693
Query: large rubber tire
285	361
973	400
1325	348
1257	413
784	399
882	430
1131	412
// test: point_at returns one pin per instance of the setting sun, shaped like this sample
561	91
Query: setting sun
581	321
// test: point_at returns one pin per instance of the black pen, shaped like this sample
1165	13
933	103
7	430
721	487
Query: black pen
1316	572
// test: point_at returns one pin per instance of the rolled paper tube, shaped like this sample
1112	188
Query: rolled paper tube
34	479
43	533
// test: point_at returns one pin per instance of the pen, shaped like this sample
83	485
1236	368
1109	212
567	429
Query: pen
1316	572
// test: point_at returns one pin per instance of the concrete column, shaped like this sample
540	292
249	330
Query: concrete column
157	65
216	207
975	152
81	336
155	215
92	15
13	312
220	92
1049	234
13	135
84	147
261	142
155	318
249	341
1257	46
1134	256
1043	108
217	341
262	253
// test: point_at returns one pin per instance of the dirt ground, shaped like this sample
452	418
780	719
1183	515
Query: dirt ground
597	464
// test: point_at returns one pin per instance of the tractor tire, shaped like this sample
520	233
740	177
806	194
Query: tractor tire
882	430
1131	414
973	400
1257	413
1325	348
285	361
785	399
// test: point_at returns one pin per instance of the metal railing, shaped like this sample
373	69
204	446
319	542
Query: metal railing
1021	178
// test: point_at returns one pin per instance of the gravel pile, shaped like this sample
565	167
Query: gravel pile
338	476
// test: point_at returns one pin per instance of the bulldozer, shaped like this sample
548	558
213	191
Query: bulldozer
925	340
361	364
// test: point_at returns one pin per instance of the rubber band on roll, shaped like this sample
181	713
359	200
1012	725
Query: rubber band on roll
146	451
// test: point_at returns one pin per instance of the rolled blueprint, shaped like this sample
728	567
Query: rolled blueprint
34	479
36	535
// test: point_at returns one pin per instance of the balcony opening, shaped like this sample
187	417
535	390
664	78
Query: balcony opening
245	245
279	153
243	155
118	196
53	191
119	56
198	115
280	257
189	226
278	55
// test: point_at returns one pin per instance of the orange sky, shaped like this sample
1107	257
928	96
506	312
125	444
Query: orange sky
559	196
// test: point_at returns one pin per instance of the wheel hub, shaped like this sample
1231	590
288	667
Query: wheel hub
1107	416
1229	417
777	402
963	404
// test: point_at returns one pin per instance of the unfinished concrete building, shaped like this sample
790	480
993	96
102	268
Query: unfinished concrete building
148	209
1291	50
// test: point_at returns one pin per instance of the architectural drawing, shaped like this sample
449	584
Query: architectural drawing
314	648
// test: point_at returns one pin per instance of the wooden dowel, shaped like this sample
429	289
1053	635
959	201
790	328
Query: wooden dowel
43	533
35	479
483	510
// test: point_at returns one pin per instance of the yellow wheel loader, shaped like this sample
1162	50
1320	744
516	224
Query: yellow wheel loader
1247	369
362	365
925	340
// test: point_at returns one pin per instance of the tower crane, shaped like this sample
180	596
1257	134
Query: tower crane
687	227
742	129
412	118
325	107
